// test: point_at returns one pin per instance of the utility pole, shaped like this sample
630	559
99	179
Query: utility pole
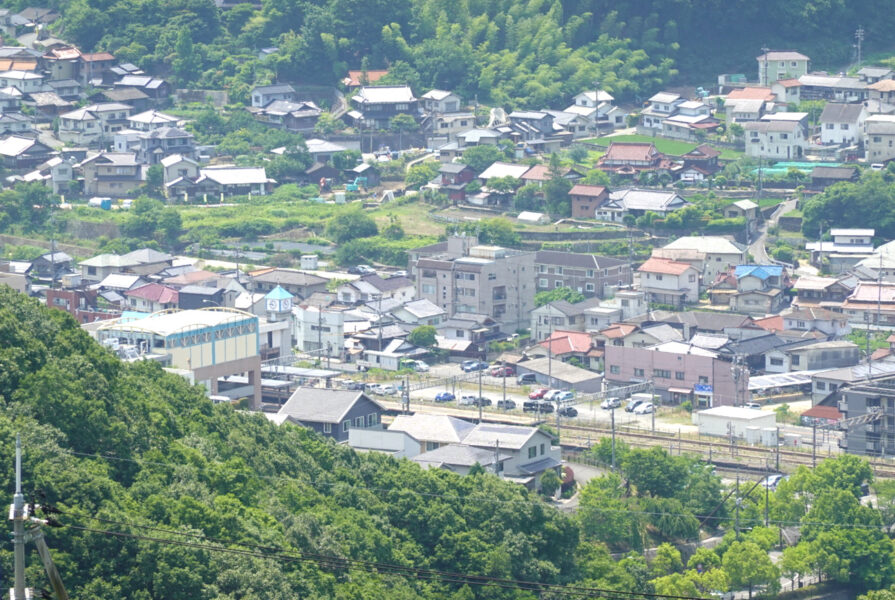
497	458
765	51
405	396
859	39
767	494
612	418
503	364
814	445
777	446
479	400
738	507
18	515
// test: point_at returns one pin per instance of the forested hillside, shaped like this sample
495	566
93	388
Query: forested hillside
508	52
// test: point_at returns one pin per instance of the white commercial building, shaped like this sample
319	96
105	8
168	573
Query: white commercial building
735	421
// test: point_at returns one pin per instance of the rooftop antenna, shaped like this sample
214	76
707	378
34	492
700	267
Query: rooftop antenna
18	514
859	39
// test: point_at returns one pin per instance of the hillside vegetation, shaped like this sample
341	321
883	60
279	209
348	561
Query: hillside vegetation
507	52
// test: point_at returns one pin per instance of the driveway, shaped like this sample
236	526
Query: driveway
757	248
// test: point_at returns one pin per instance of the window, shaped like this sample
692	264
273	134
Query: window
590	272
492	276
703	379
795	359
679	375
542	449
359	422
346	425
557	283
821	385
431	446
830	126
428	273
844	126
559	270
372	419
638	372
692	278
327	428
428	289
543	283
662	373
777	362
532	452
615	369
589	287
658	278
542	269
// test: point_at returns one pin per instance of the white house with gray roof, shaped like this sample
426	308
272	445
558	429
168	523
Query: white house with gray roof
265	94
842	124
782	136
637	202
880	137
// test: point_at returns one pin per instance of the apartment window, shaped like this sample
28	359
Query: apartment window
589	287
830	126
703	379
327	428
679	375
615	369
346	425
428	289
542	449
559	270
844	126
532	452
428	273
662	373
590	272
638	372
795	359
777	362
359	422
542	269
492	276
557	283
658	278
821	385
372	419
692	278
543	283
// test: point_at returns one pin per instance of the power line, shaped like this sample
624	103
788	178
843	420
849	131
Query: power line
350	486
379	567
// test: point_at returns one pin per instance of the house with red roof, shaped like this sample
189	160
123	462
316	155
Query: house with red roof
628	158
670	282
151	298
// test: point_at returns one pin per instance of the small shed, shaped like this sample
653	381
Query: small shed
821	415
725	421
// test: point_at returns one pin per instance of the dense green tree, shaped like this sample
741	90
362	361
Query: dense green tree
422	336
560	293
350	225
480	157
604	513
749	566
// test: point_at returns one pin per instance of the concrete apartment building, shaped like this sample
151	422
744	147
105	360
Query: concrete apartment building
587	274
461	276
876	438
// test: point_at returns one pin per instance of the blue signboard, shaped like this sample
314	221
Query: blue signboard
702	388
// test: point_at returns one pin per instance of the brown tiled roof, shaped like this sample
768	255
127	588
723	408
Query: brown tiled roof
823	412
97	56
618	330
594	191
630	151
752	93
373	75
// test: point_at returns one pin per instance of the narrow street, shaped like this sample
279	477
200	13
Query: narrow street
757	248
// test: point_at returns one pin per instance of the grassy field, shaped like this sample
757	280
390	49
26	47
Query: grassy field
664	145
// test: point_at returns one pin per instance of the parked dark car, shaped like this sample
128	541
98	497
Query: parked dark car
482	401
568	411
506	404
537	406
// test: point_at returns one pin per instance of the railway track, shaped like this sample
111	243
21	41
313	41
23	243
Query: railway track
718	452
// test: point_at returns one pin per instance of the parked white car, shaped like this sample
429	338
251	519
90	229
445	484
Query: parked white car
644	408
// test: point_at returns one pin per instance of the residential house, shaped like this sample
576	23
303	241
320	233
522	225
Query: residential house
152	119
845	251
743	209
93	124
263	95
194	297
539	174
660	107
881	96
842	124
680	372
51	266
626	304
319	327
873	74
745	110
299	117
132	96
447	126
15	123
710	254
787	91
871	303
692	121
359	78
155	145
832	324
378	104
323	150
227	180
151	298
880	138
68	89
813	356
823	177
157	89
832	88
487	280
634	336
752	289
597	106
468	334
440	101
556	374
587	274
669	282
26	82
823	292
111	174
571	345
559	314
777	138
502	169
704	158
332	413
586	198
478	137
177	166
373	287
21	152
461	459
578	126
419	312
94	67
775	65
454	177
636	202
298	283
57	172
826	383
628	158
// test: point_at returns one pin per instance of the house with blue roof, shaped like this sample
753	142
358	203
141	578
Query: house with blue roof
752	289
